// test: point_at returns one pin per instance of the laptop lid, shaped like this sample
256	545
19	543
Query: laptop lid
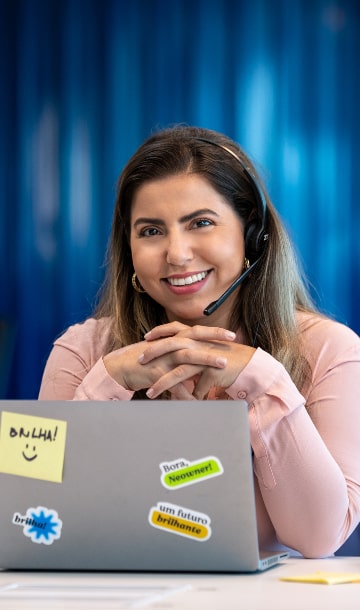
138	485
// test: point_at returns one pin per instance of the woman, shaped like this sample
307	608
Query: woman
192	220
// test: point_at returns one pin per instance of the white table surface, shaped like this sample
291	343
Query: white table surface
260	591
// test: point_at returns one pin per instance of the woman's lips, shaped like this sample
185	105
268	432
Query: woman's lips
188	280
187	284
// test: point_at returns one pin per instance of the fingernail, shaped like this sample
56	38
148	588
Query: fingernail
141	358
150	393
221	361
229	334
147	334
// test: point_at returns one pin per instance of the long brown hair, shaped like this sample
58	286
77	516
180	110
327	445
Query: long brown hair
269	297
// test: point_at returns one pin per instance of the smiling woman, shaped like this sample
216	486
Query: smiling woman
194	233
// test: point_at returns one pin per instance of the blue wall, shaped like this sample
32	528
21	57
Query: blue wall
82	83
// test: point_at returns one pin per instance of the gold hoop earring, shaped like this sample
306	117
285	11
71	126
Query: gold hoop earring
136	284
246	263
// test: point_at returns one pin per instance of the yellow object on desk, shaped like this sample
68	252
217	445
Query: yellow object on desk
324	578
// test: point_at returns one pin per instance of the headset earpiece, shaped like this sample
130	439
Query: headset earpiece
254	240
251	240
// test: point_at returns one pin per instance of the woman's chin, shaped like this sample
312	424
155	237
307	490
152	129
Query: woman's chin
187	315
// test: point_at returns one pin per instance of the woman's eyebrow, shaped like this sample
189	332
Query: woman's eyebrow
186	218
148	221
197	213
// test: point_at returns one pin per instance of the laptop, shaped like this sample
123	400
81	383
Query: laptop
128	486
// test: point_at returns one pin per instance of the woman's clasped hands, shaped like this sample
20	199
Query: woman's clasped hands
186	360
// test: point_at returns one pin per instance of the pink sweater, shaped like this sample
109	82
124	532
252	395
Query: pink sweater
306	458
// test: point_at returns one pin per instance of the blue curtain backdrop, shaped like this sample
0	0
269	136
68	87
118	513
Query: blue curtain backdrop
82	83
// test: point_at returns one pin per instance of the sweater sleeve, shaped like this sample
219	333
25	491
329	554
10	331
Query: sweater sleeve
307	452
75	369
99	385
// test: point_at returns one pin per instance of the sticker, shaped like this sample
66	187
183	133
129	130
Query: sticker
181	521
41	525
32	446
181	472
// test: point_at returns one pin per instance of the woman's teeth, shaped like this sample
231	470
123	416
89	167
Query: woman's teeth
190	279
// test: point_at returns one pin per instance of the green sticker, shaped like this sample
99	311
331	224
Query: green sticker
181	472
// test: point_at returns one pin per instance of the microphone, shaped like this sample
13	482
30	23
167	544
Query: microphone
215	304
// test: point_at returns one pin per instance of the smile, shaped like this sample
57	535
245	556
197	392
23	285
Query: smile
29	459
186	281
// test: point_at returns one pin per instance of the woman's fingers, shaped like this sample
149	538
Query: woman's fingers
176	352
181	392
215	365
197	332
173	379
165	330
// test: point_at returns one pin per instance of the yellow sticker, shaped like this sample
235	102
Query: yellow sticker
32	446
181	521
324	578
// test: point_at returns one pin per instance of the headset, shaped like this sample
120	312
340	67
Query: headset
255	232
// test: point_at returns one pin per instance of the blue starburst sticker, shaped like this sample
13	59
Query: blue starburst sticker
42	525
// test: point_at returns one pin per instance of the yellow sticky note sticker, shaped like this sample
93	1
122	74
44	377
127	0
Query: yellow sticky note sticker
32	446
324	578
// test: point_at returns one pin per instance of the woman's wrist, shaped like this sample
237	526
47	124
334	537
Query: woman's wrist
112	366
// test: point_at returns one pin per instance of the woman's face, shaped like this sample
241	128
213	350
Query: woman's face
187	246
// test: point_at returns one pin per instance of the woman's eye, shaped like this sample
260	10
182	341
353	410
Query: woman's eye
202	222
148	232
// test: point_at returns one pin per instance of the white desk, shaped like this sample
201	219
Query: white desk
104	591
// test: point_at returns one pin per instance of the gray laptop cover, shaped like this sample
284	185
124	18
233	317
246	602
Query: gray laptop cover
138	486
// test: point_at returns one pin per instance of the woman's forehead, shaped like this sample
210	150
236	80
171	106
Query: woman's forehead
180	194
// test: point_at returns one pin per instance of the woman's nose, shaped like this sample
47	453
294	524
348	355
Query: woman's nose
179	249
